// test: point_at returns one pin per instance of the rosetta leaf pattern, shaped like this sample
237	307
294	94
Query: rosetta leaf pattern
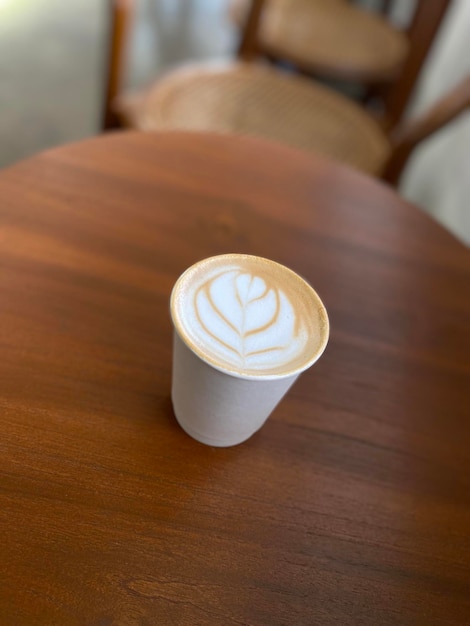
247	319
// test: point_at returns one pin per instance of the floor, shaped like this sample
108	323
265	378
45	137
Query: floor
52	62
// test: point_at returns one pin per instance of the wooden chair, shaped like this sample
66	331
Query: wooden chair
340	40
252	99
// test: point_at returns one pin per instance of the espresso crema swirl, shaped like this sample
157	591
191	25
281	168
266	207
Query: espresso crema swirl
249	316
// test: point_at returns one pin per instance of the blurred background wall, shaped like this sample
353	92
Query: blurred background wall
51	60
52	63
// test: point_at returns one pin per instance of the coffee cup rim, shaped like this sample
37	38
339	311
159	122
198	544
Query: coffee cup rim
186	338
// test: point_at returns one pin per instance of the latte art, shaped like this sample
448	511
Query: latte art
246	321
249	315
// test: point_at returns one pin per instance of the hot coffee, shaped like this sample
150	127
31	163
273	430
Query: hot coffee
249	316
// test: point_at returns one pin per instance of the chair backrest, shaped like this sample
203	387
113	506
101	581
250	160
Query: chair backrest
120	19
424	25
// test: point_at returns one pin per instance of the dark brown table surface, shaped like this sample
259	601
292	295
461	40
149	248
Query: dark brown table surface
351	505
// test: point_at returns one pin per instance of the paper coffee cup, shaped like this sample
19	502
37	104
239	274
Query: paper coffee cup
244	329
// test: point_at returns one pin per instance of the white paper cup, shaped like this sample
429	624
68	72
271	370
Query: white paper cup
220	396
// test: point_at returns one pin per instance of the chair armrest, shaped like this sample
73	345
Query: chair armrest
406	136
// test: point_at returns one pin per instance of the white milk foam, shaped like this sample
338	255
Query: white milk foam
249	315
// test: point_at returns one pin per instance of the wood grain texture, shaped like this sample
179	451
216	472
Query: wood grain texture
352	504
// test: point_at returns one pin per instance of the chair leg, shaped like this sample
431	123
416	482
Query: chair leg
120	13
248	45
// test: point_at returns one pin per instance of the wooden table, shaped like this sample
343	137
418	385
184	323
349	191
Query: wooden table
352	504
